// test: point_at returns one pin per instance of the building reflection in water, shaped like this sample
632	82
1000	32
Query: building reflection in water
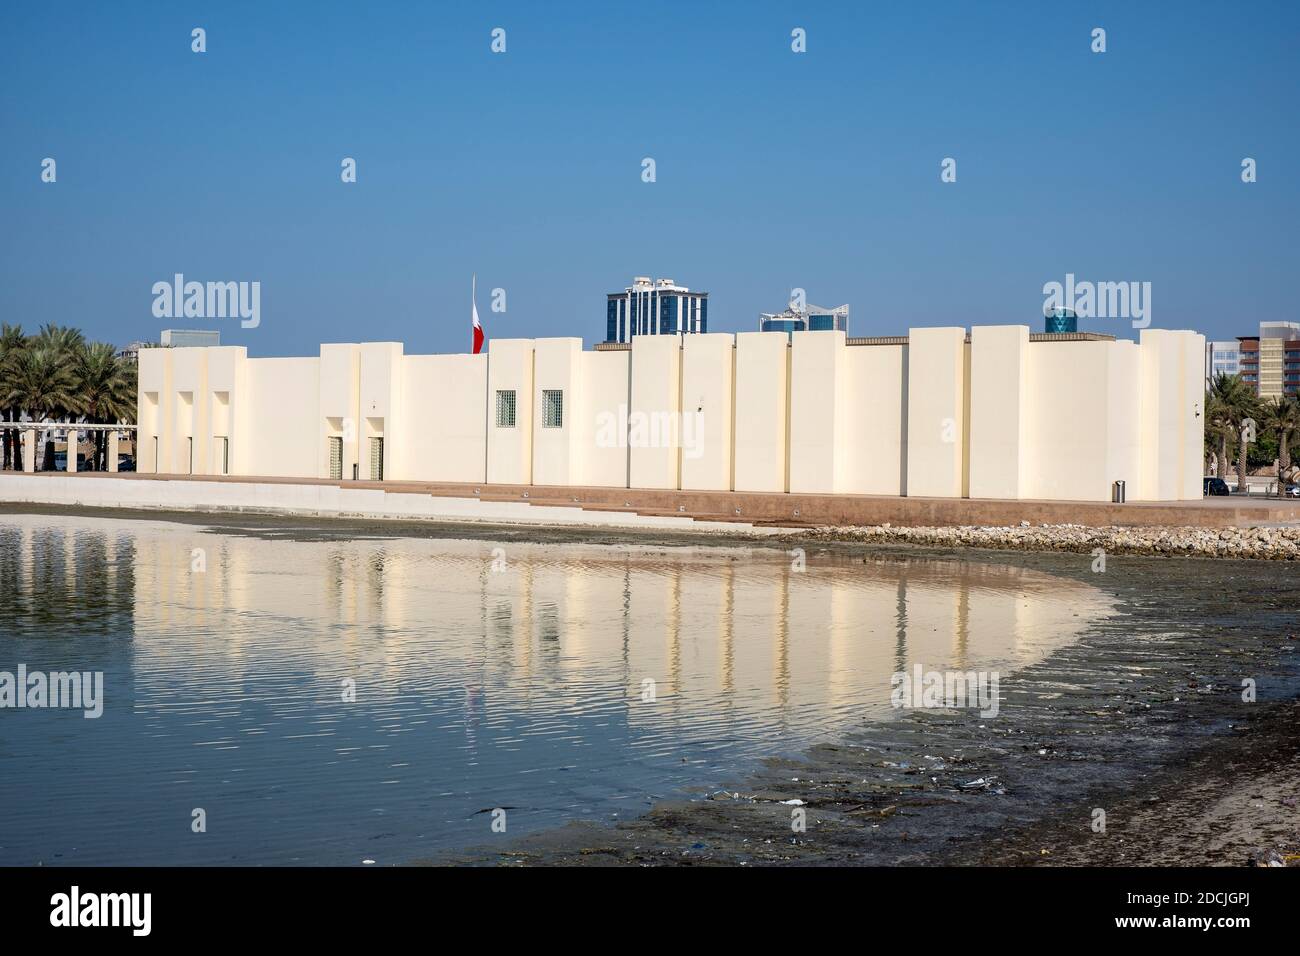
227	658
718	630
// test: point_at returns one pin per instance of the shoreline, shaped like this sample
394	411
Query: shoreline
1256	543
1272	543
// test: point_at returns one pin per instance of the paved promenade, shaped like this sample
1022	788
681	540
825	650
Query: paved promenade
622	506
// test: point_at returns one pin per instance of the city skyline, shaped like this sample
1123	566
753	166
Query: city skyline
773	169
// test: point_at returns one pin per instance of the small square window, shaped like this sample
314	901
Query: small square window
506	409
552	408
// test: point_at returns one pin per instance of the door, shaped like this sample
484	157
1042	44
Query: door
376	459
221	454
189	452
336	458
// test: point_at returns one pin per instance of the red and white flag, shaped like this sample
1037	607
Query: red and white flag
478	328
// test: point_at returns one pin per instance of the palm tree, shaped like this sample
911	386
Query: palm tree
12	345
1229	403
68	347
1282	417
1218	429
107	390
44	384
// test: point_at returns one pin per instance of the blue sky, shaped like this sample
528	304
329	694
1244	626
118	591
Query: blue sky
774	169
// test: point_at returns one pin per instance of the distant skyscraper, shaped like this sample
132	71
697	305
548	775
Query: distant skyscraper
807	318
1221	358
1268	362
655	308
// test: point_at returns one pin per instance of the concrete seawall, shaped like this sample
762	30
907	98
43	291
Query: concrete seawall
620	507
320	499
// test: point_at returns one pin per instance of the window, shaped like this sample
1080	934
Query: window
552	408
506	409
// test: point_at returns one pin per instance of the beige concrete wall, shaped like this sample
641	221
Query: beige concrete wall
601	418
1068	451
874	427
999	368
817	411
762	411
653	434
283	430
936	405
1173	422
380	399
1000	417
510	450
557	456
1191	413
443	420
340	405
707	386
1123	408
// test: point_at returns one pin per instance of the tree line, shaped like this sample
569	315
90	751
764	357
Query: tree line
56	375
1235	416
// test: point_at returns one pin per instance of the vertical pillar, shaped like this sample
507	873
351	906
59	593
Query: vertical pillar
29	449
72	451
999	370
112	451
816	407
936	412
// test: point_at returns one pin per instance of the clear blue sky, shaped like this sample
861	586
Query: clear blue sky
775	169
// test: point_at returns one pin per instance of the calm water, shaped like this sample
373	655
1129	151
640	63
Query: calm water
476	685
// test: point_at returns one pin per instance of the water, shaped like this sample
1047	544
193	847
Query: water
484	674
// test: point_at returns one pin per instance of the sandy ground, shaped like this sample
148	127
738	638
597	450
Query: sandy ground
1235	803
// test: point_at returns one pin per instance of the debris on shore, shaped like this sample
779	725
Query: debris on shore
1270	543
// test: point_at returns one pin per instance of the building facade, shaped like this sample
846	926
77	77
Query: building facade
994	413
1222	358
1269	362
659	307
810	318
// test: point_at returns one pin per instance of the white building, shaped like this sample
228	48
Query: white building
998	413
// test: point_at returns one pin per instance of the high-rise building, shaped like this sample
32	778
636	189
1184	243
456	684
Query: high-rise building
660	307
1279	359
1269	362
1221	358
806	318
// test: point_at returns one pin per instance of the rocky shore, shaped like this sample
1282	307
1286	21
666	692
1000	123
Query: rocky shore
1270	543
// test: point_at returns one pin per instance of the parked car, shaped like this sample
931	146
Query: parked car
1291	491
126	463
1214	487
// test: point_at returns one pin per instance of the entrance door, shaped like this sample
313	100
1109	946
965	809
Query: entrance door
221	454
376	459
336	458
